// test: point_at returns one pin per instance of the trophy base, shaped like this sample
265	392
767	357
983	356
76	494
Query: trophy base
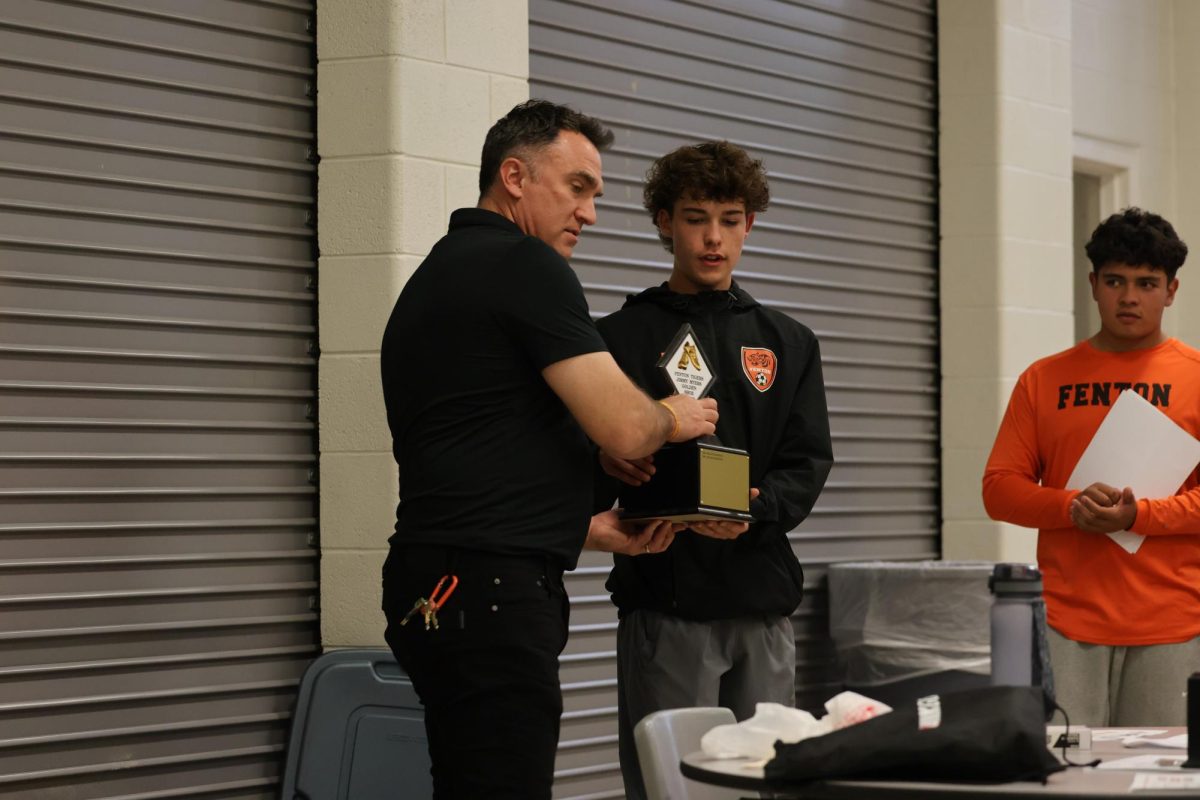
693	481
694	515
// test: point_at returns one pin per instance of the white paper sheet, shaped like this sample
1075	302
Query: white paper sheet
1160	782
1177	742
1117	734
1154	762
1140	447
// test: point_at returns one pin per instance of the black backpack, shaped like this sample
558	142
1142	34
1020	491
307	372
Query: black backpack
993	734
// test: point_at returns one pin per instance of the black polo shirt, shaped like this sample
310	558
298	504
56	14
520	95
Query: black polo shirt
490	458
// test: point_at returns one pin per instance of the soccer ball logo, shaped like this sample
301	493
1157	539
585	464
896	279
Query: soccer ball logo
760	367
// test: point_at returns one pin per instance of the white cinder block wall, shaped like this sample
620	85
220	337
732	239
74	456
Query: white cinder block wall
406	91
1005	128
1185	27
1031	90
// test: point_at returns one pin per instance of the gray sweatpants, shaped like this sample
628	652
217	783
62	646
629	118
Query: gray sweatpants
667	662
1122	686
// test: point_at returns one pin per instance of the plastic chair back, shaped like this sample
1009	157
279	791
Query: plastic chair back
665	737
358	732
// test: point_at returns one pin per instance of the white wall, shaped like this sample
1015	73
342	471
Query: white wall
1185	33
1005	128
406	91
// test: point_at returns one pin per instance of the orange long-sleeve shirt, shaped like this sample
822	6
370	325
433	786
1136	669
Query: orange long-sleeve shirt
1095	591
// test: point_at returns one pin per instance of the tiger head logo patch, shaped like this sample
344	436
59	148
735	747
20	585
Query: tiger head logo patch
760	366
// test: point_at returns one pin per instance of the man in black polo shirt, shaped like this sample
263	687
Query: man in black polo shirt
494	379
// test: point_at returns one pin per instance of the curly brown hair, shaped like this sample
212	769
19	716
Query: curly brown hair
717	171
1135	237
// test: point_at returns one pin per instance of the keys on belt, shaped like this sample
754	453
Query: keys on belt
428	608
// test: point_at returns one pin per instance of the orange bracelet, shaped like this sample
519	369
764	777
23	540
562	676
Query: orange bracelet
675	430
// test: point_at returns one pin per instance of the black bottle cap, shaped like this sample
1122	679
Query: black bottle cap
1020	579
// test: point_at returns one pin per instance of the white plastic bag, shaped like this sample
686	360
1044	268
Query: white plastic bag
755	738
850	708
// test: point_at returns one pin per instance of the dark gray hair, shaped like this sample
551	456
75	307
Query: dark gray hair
528	128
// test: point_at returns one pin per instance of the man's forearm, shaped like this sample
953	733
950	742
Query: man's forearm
647	426
618	416
1169	516
1008	497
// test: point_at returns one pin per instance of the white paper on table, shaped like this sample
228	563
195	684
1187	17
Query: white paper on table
1154	762
1157	781
1116	734
1140	447
1177	742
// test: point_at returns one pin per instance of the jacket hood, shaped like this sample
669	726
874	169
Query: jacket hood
734	298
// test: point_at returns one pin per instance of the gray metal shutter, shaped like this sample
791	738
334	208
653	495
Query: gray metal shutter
157	515
838	98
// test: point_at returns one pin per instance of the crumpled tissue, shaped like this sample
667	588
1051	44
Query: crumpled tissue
772	722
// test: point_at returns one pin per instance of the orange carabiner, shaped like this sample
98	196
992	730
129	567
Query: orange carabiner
438	600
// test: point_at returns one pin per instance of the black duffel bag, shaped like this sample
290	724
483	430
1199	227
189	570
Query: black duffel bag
993	734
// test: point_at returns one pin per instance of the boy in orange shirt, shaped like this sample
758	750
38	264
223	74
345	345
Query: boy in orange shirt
1124	627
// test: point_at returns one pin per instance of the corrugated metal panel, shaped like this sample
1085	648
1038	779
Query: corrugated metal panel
838	98
157	327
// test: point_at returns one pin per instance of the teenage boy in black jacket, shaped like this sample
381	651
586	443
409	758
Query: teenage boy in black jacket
706	622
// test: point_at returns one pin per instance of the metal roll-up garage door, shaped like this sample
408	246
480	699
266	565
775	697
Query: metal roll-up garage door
838	97
157	324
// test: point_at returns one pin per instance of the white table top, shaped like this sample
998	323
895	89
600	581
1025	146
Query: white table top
1072	782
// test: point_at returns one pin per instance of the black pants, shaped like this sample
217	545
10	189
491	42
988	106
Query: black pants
488	676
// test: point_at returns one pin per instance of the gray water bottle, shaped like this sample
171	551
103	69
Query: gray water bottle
1020	656
1016	587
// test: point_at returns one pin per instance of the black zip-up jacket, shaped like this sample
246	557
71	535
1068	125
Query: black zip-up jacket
784	427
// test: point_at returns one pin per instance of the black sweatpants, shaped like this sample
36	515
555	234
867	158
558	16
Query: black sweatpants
488	676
